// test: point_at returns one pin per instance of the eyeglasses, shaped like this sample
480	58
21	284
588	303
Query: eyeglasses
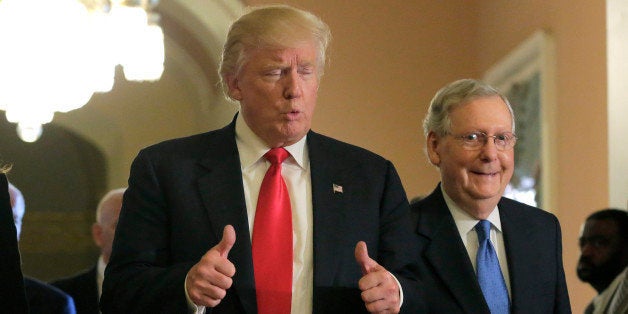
476	140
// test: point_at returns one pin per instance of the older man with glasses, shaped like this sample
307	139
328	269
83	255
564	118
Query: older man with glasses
481	252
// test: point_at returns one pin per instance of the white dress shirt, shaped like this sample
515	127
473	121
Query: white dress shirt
296	173
466	224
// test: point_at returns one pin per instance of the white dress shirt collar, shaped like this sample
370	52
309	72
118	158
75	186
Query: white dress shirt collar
464	221
465	224
252	148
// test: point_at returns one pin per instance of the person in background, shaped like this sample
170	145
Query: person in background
603	260
478	251
12	295
42	297
264	215
86	287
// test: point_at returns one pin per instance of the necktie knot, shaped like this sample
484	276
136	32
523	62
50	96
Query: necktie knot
276	155
483	228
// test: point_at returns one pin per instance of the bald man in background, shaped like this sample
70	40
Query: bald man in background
86	287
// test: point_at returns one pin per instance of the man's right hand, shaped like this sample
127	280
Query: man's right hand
207	281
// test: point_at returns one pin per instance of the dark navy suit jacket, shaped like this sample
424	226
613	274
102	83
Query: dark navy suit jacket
534	252
83	288
47	299
183	192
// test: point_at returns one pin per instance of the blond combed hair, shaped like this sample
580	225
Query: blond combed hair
271	26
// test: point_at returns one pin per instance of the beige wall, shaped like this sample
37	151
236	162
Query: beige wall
389	57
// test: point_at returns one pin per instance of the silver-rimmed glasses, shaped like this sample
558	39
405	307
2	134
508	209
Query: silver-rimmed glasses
476	140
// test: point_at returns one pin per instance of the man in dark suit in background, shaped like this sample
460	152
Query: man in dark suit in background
603	260
470	136
12	295
85	287
186	238
42	297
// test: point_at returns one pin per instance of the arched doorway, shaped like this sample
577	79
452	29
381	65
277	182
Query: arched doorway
61	176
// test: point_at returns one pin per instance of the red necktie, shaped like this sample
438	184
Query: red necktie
272	240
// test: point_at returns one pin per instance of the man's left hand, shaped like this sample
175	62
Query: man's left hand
380	291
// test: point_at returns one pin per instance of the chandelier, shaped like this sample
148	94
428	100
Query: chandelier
57	53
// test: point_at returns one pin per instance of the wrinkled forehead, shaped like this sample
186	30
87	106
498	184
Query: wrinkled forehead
301	50
491	110
279	45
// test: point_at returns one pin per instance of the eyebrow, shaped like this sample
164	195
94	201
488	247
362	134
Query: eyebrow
280	65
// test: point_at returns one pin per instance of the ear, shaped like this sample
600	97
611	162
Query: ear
433	145
234	88
97	235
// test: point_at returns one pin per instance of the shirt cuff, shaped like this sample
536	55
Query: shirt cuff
193	308
400	290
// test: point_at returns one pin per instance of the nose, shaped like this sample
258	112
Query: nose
292	86
489	150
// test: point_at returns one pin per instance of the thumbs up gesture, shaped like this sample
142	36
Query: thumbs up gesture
380	290
207	281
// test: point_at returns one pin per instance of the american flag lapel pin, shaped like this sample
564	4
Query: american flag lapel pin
337	188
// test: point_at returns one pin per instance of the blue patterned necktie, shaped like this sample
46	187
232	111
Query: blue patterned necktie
489	274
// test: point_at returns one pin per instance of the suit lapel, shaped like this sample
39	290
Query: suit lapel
222	193
447	255
327	206
519	242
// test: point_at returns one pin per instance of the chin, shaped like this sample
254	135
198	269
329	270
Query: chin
488	193
294	134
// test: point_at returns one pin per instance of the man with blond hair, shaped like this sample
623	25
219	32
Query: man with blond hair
263	215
